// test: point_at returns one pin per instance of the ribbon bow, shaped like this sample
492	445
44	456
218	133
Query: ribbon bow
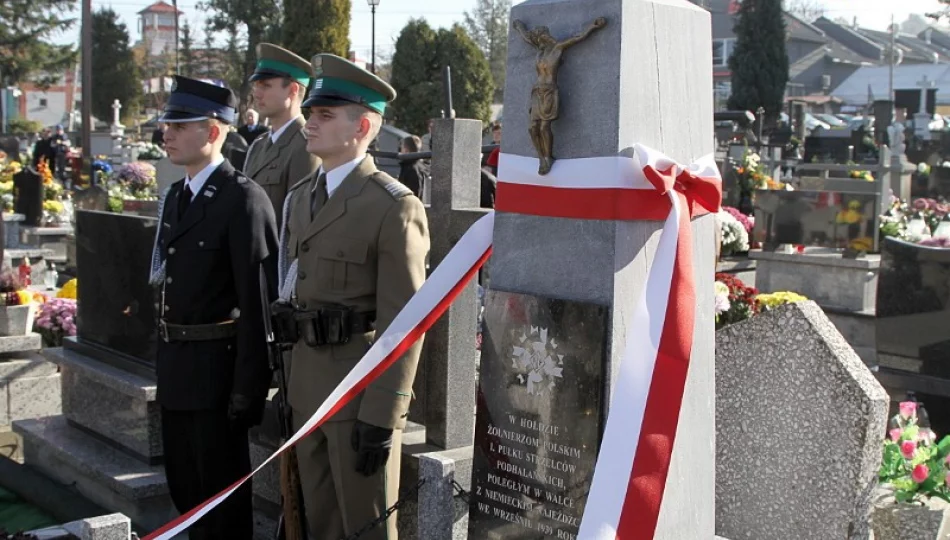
700	183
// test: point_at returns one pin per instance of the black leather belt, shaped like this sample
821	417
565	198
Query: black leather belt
331	326
196	332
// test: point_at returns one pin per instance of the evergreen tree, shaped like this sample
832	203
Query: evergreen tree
472	85
209	53
25	52
316	26
234	75
117	75
488	26
257	19
186	51
759	63
417	64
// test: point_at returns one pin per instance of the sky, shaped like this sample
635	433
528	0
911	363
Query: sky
392	15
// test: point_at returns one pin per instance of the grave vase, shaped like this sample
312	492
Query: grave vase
911	521
16	320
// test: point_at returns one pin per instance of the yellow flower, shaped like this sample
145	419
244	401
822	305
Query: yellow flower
53	207
778	298
25	297
68	290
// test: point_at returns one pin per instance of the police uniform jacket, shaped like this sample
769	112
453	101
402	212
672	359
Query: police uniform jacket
366	249
279	165
213	254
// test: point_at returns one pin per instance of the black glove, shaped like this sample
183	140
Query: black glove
372	445
244	412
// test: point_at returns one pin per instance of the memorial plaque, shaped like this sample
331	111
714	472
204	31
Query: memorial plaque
815	218
117	305
539	416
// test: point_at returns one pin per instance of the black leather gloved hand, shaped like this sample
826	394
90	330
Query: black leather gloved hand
244	412
372	445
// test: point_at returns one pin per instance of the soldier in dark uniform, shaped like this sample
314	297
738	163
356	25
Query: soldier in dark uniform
360	239
217	228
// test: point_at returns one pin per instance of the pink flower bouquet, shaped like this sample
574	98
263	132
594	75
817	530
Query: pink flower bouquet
55	320
914	464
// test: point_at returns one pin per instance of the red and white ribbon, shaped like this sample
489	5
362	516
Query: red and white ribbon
419	314
630	476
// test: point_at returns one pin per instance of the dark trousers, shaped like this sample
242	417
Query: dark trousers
204	454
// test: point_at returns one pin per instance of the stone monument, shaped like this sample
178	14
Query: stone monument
623	85
799	425
116	129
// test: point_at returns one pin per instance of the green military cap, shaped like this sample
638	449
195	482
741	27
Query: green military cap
274	61
340	82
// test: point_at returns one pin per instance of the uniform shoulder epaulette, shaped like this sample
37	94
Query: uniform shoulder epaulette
392	186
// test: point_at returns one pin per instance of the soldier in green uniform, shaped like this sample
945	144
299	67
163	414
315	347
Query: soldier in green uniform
360	240
278	159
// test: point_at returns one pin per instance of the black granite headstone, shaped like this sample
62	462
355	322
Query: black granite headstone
29	190
815	218
913	328
539	416
117	314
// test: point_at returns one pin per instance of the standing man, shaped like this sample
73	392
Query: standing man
279	159
360	239
216	229
251	129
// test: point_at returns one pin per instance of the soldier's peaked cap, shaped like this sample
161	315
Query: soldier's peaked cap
338	81
274	61
192	100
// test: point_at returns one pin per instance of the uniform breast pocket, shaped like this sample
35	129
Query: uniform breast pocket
201	247
342	263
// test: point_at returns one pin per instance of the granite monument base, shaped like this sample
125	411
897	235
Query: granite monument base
100	472
110	404
110	527
29	385
51	238
822	275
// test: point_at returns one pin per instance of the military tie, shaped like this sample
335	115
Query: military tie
318	196
184	200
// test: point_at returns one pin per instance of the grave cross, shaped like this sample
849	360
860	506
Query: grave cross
924	84
445	390
116	107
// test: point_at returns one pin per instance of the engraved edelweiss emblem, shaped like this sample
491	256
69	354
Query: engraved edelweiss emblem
537	361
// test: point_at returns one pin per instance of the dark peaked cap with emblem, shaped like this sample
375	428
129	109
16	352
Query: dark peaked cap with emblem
274	61
340	82
192	100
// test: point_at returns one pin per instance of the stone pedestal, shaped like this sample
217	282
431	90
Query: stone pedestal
821	275
29	385
11	229
51	238
107	440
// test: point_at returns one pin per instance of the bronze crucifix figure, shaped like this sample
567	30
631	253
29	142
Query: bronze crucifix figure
544	93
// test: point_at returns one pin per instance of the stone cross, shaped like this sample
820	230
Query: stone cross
445	386
925	84
116	107
625	87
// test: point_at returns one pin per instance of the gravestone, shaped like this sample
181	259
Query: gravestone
29	196
799	425
117	312
913	336
92	198
540	394
621	86
445	386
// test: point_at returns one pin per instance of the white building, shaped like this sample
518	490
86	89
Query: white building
157	27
